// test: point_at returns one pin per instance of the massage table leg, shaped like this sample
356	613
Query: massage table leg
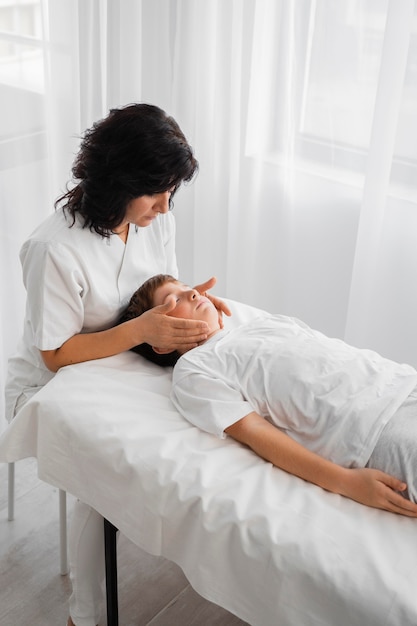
63	532
110	555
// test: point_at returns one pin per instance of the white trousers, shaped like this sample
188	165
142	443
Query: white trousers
86	558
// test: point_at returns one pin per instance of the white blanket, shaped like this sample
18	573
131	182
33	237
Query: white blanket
265	545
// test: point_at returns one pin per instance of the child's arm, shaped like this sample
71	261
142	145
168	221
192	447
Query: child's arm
367	486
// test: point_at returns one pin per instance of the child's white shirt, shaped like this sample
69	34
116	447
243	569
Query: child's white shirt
329	396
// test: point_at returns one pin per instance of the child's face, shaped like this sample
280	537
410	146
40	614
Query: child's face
189	303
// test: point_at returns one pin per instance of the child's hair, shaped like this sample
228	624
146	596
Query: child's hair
141	301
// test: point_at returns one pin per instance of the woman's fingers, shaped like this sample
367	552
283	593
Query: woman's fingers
171	333
209	284
220	305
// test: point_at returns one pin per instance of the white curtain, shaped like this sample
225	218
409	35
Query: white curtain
302	114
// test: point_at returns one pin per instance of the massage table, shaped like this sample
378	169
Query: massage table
267	546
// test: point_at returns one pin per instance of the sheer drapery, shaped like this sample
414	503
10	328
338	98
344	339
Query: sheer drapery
302	116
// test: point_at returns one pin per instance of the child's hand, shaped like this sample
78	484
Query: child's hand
379	490
219	304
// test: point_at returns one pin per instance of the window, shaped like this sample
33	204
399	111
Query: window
22	82
325	62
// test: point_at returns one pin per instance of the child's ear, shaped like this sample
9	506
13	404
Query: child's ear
161	351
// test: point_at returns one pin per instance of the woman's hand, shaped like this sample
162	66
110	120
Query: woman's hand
153	327
219	304
157	329
377	489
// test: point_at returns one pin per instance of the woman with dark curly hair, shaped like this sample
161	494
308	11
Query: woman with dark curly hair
111	231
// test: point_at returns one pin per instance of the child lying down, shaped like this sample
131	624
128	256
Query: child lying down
334	415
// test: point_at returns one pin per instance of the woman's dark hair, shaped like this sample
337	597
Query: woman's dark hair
141	301
136	150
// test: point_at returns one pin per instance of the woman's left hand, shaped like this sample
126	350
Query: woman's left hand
219	304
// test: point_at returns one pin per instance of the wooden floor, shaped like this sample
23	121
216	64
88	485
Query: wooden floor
152	590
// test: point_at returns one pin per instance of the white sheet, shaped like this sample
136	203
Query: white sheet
265	545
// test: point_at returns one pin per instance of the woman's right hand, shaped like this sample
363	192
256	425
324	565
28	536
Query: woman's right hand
167	333
153	327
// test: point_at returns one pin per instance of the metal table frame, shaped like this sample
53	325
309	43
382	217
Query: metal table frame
110	555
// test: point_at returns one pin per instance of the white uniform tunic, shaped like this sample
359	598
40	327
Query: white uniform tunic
79	282
331	397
